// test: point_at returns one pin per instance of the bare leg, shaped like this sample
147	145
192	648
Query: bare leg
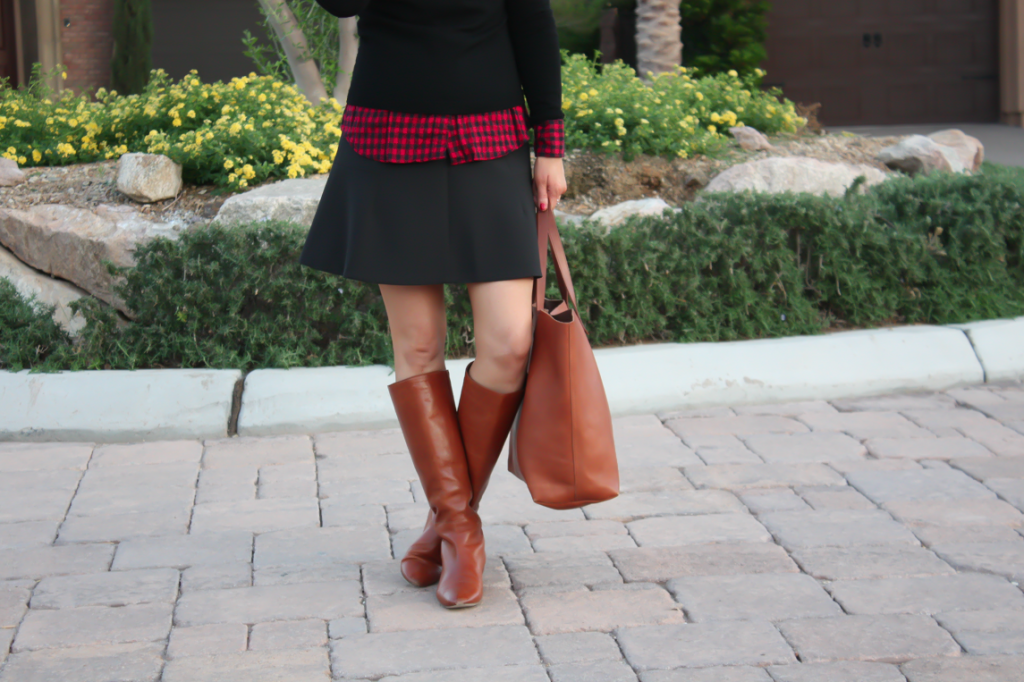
416	315
502	327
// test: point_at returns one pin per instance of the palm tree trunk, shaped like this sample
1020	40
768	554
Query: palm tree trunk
304	69
659	39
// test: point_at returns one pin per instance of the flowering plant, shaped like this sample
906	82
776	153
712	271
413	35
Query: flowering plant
233	134
678	113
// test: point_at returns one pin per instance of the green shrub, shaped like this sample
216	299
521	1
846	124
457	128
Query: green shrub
133	41
937	249
608	108
719	35
28	334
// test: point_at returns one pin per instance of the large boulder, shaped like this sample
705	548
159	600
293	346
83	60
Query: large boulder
614	216
46	290
293	201
970	149
10	174
148	177
793	174
73	243
919	154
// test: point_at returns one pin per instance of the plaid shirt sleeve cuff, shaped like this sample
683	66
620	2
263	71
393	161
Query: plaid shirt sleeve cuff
549	138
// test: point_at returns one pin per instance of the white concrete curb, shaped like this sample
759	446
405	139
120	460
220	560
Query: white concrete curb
999	345
116	405
650	378
660	377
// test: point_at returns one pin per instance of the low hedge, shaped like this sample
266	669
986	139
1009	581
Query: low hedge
936	249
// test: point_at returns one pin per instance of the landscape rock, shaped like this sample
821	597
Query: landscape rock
148	177
73	243
614	216
293	201
919	154
750	139
794	174
10	174
970	149
45	290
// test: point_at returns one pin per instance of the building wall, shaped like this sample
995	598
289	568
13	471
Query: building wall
87	42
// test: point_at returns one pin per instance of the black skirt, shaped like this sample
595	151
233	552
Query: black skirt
426	222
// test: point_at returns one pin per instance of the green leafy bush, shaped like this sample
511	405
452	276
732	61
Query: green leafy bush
608	108
937	249
28	334
719	35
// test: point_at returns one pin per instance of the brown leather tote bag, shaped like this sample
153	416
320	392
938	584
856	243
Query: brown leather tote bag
561	442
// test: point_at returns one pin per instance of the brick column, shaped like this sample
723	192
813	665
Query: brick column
1011	62
87	42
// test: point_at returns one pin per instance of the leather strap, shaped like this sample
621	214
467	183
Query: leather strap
547	233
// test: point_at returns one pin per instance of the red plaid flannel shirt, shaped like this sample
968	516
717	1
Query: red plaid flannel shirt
405	138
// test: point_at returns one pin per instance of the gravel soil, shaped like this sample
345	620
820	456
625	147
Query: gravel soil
596	180
87	185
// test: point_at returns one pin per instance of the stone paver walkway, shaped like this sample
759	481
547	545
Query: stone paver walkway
874	540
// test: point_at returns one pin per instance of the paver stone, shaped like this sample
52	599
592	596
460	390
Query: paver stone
865	425
577	647
38	562
92	625
554	568
930	484
660	564
671	531
801	448
184	551
928	594
135	662
973	668
962	512
256	516
395	653
702	645
1001	558
745	476
842	671
631	506
882	638
835	528
208	640
274	602
107	589
419	610
871	561
760	596
289	634
321	546
606	610
926	448
606	671
295	665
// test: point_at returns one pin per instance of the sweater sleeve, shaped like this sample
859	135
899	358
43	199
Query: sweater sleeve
531	26
343	8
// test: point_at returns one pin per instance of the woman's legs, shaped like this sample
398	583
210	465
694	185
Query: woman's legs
418	324
502	329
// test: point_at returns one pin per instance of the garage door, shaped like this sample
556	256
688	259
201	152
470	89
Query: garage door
887	61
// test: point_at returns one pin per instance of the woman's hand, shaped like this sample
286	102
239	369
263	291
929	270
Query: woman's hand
548	181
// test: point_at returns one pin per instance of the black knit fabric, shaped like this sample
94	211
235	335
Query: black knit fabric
455	56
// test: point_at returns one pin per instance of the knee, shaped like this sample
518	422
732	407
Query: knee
420	349
510	350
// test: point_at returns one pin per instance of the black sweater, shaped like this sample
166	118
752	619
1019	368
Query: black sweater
455	56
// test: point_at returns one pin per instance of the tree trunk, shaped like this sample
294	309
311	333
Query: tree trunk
348	46
659	36
304	69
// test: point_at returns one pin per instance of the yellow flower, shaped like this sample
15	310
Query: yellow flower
176	122
593	92
732	72
715	117
621	131
584	97
22	160
191	113
700	96
618	111
619	122
232	177
12	150
243	184
36	156
235	129
64	75
73	122
229	164
712	129
644	121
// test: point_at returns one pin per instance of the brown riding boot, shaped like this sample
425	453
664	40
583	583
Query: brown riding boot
485	419
426	412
